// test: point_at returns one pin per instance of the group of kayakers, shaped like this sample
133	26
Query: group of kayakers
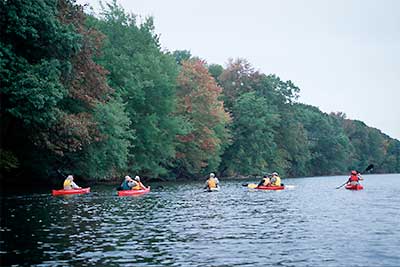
131	184
127	184
212	183
273	180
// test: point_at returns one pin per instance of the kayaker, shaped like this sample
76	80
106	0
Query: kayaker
354	178
128	183
212	182
275	179
265	181
69	183
138	184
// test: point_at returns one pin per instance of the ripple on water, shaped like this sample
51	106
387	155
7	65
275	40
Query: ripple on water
313	224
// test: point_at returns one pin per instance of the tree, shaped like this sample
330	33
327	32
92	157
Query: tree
109	156
32	82
253	146
50	97
215	70
181	55
391	162
293	154
239	77
370	146
144	78
329	146
198	94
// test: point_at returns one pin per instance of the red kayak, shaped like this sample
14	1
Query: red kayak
354	187
70	191
123	193
262	187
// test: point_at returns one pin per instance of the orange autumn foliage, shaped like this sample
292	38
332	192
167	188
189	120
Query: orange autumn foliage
198	101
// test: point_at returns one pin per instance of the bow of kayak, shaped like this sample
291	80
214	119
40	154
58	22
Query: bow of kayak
70	191
133	192
354	187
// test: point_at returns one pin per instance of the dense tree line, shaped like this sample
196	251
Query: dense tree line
98	97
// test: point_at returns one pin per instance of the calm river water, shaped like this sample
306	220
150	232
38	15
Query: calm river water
310	224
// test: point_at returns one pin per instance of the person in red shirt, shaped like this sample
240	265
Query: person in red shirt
354	178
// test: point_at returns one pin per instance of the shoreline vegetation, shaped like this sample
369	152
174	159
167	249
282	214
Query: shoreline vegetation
97	97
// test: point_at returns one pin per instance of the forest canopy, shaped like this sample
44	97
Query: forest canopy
98	97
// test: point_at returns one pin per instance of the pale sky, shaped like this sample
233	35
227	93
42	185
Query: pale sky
343	54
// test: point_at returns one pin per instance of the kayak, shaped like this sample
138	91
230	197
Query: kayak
123	193
70	191
354	187
262	187
212	189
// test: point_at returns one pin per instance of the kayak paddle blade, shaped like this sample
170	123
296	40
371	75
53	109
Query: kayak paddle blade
370	167
252	186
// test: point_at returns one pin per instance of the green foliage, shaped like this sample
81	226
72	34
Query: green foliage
97	97
276	90
253	147
215	70
181	55
50	84
34	94
370	145
391	162
284	139
109	156
328	144
34	51
294	155
145	79
33	32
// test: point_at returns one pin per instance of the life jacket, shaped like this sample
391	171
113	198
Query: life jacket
212	183
125	185
353	178
138	186
277	181
67	184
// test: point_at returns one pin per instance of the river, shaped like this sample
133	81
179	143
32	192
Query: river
177	224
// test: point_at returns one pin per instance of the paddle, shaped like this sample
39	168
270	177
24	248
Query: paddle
252	186
370	167
341	185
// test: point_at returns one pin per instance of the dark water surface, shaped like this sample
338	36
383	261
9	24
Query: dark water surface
310	224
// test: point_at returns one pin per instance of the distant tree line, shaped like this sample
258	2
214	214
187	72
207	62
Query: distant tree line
96	96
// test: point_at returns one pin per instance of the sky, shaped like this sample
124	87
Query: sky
344	55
